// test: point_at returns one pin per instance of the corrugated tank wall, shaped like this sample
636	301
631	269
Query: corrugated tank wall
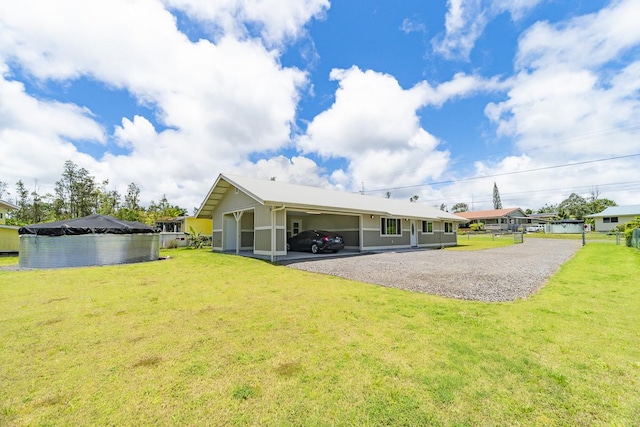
87	249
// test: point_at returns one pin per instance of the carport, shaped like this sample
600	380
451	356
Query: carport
348	226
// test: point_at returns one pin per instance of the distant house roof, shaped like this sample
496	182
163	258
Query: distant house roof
7	205
629	210
294	196
493	213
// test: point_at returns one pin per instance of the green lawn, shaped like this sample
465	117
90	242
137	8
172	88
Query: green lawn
210	339
475	242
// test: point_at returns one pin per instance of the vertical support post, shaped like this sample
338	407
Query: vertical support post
238	217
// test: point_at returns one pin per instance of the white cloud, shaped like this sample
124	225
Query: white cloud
371	111
412	26
374	125
277	20
466	20
35	134
216	102
583	42
574	99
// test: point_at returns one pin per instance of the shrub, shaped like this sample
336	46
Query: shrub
477	226
628	229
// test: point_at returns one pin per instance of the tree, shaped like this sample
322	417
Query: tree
497	204
21	215
40	207
574	206
443	207
3	189
548	209
163	209
460	207
108	200
414	198
597	205
131	210
132	198
76	193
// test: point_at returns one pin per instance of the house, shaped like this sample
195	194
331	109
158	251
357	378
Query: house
508	219
613	216
9	238
180	227
259	215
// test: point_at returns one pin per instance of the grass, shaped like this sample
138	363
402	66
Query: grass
476	242
210	339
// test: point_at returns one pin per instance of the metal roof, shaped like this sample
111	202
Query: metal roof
629	210
493	213
7	205
315	199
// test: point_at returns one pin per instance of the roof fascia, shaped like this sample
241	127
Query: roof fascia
206	199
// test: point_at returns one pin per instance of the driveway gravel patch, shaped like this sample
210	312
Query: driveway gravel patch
500	274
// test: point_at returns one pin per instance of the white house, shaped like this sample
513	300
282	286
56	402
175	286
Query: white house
613	216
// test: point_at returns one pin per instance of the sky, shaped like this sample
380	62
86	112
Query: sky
437	99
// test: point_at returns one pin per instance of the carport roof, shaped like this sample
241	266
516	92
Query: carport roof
316	199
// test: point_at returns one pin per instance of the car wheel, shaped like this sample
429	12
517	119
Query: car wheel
314	248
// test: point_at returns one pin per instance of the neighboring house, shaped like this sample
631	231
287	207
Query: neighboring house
613	216
259	215
179	228
9	238
498	219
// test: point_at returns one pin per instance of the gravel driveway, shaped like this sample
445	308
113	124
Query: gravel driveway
501	274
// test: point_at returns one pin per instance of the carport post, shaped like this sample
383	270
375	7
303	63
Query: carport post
273	230
238	217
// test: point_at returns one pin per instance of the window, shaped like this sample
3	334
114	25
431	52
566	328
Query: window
427	227
448	227
609	219
295	227
0	215
390	227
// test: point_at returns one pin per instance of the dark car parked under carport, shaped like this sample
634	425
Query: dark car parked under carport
315	241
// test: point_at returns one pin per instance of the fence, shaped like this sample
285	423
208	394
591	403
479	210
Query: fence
635	238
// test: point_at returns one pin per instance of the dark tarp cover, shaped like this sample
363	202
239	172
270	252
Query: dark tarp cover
92	224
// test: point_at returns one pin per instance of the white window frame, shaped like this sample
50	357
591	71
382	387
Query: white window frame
450	227
427	224
295	222
384	226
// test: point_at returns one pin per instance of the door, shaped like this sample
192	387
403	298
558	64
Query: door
230	233
414	235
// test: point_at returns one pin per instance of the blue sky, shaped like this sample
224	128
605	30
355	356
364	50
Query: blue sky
435	99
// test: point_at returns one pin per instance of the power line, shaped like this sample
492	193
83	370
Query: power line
537	147
452	181
629	186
